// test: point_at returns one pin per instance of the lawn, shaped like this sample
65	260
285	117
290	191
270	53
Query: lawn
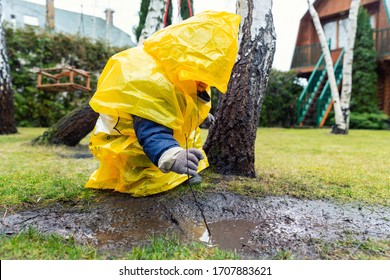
304	163
309	163
316	164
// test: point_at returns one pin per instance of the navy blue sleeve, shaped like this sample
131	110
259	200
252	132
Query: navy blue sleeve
154	138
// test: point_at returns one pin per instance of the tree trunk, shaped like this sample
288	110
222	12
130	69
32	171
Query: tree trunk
154	20
347	63
231	140
7	118
71	129
339	119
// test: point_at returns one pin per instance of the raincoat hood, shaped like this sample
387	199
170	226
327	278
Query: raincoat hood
202	48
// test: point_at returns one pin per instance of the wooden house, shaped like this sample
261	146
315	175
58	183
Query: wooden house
315	102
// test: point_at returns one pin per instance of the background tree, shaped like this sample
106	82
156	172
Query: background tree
186	8
347	65
154	18
154	14
340	124
341	105
231	140
364	77
7	119
143	12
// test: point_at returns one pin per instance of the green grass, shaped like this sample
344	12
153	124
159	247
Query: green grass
314	164
310	163
41	174
354	249
306	163
167	248
33	245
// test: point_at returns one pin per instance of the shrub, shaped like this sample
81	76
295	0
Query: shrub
30	49
369	121
279	106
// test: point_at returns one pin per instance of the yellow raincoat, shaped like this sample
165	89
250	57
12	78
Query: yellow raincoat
156	81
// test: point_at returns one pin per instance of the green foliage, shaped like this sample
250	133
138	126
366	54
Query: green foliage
143	12
30	49
368	120
185	11
364	76
279	104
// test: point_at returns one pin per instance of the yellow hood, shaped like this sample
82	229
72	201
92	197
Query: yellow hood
201	48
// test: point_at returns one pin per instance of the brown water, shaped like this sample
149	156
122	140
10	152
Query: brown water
231	235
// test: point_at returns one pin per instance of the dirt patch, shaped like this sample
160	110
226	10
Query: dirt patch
254	228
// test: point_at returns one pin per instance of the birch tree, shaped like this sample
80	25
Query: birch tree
7	118
340	123
154	19
231	140
341	107
347	63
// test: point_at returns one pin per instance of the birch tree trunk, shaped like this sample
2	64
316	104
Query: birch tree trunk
7	118
154	19
231	140
347	63
176	15
339	119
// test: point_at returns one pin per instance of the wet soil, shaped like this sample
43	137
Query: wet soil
254	228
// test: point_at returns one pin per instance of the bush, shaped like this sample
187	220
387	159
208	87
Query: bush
279	106
30	49
369	121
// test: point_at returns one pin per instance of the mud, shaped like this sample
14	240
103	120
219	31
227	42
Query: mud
254	228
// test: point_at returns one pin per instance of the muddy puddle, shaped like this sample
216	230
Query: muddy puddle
254	228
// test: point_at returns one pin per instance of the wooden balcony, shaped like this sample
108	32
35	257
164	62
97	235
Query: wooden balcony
306	57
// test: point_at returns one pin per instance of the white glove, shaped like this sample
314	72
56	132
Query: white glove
181	161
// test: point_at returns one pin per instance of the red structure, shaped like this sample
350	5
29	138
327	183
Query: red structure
334	18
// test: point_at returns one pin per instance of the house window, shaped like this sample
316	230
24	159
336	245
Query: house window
343	33
29	20
337	32
330	30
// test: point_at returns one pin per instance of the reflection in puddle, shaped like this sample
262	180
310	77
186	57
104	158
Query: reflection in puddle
228	234
206	237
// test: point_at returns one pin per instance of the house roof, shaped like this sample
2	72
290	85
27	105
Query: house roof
20	13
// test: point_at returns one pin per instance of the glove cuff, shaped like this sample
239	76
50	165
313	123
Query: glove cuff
168	158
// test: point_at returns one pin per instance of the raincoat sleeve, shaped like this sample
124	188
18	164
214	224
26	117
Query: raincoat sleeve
154	138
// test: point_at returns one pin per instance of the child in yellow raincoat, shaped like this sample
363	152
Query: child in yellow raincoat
152	99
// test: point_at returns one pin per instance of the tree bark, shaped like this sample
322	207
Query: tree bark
71	129
7	110
231	140
154	20
339	119
347	63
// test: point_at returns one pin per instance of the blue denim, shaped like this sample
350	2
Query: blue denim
154	138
